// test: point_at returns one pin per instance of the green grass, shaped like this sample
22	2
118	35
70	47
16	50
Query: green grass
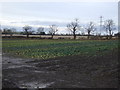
45	49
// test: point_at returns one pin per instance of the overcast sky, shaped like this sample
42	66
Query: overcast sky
46	13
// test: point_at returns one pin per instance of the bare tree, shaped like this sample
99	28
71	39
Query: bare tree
109	27
74	27
27	30
90	28
53	30
5	31
9	31
40	31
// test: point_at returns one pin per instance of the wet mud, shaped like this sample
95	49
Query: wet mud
63	72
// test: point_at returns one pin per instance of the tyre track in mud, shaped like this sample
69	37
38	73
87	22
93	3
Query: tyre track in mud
22	74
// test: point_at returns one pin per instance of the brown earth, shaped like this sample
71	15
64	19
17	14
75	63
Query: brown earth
63	72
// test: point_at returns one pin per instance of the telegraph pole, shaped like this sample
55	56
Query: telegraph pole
101	20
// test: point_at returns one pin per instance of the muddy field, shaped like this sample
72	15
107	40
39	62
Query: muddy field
63	72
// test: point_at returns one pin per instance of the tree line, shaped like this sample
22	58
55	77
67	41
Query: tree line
73	27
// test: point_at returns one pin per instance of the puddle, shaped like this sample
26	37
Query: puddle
35	85
39	71
15	66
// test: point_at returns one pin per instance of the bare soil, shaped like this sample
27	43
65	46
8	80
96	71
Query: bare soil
63	72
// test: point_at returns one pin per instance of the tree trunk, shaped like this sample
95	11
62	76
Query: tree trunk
74	35
40	35
110	37
11	35
107	37
88	35
110	33
52	36
27	35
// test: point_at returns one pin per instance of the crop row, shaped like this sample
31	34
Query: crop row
44	49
